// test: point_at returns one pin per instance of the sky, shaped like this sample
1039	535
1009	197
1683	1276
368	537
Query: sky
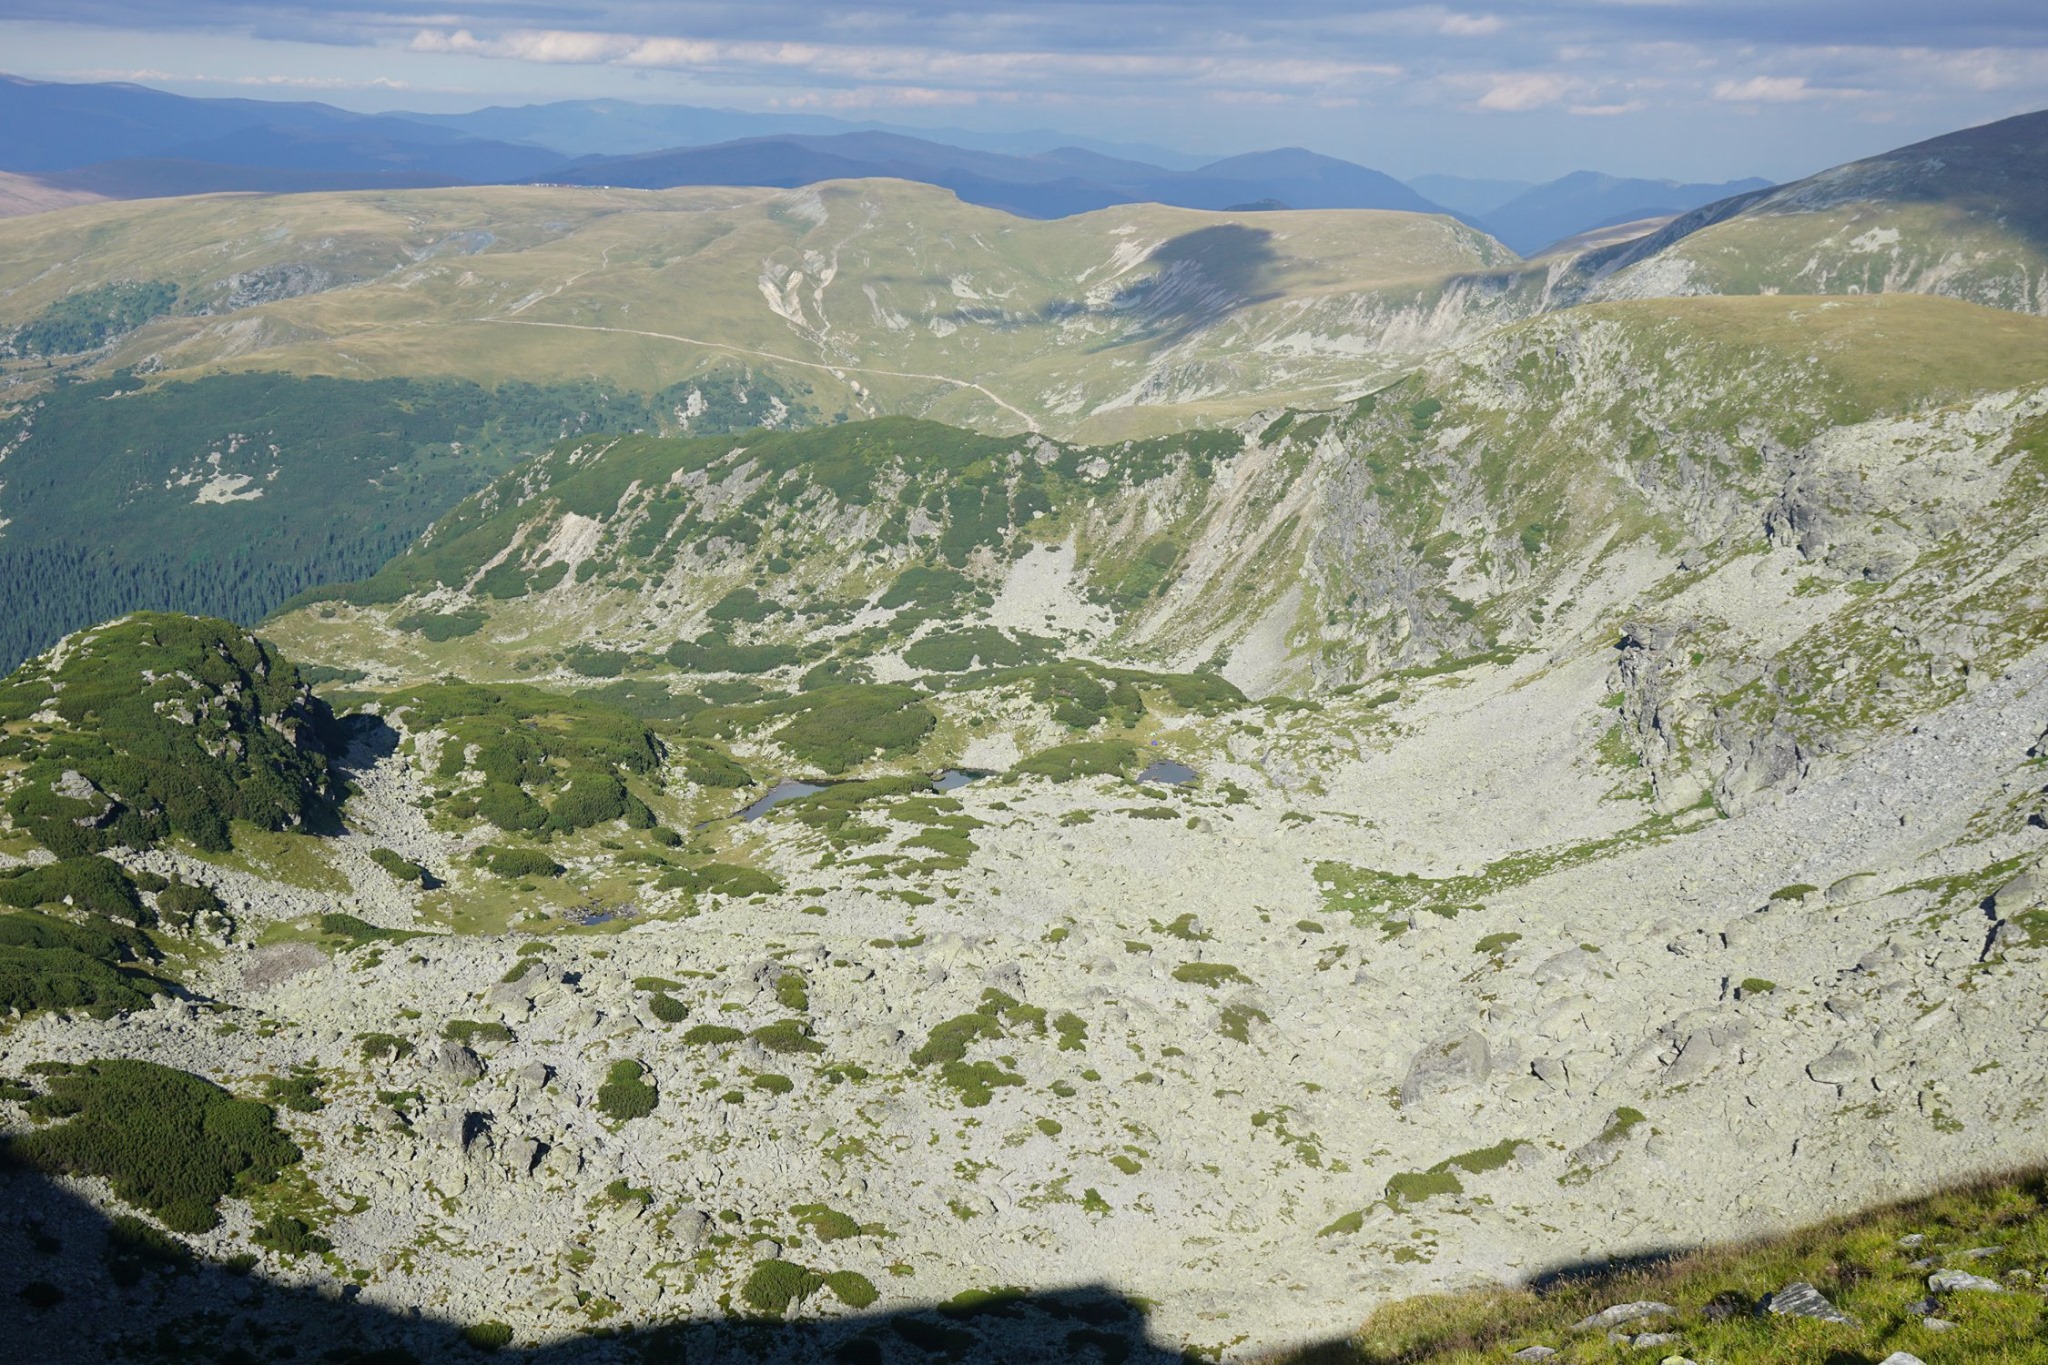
1522	89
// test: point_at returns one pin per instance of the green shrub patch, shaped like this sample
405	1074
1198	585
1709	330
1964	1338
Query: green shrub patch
1088	758
47	963
93	884
625	1093
515	863
712	1035
707	765
527	743
187	907
722	879
787	1037
776	1285
470	1032
716	654
403	868
169	1142
978	647
443	627
170	725
358	932
832	728
289	1236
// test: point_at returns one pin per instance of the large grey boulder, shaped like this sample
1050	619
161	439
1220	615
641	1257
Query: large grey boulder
1622	1313
2023	892
1801	1300
1841	1067
457	1062
1949	1281
1451	1063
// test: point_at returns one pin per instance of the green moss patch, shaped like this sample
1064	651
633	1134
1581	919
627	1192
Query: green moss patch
1210	974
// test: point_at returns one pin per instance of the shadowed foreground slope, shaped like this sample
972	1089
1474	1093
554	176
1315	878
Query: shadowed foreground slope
120	1296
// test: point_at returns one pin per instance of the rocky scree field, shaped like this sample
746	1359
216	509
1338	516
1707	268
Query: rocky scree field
1624	731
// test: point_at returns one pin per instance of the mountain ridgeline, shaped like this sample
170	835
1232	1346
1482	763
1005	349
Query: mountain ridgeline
384	363
1450	516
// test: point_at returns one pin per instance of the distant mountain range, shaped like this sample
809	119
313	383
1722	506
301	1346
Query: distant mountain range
114	141
1583	200
621	128
1053	184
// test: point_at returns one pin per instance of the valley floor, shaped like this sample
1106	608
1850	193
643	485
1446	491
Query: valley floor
1185	1043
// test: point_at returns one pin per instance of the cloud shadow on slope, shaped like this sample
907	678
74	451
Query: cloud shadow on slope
1201	277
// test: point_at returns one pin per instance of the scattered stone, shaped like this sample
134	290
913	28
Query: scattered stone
1983	1253
1901	1358
1533	1353
1624	1312
526	1155
1921	1308
1951	1281
1801	1300
1648	1339
1839	1068
1912	1240
462	1129
1937	1324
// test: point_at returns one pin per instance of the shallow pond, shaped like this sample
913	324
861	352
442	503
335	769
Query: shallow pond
1166	770
788	789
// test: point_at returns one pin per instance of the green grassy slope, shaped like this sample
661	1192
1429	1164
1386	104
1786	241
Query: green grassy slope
885	296
1963	215
1872	1264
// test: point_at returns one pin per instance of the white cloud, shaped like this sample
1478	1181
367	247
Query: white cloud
280	82
1470	25
1767	90
1526	90
1219	75
1606	110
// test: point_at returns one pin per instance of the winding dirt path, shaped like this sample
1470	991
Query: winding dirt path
1019	413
